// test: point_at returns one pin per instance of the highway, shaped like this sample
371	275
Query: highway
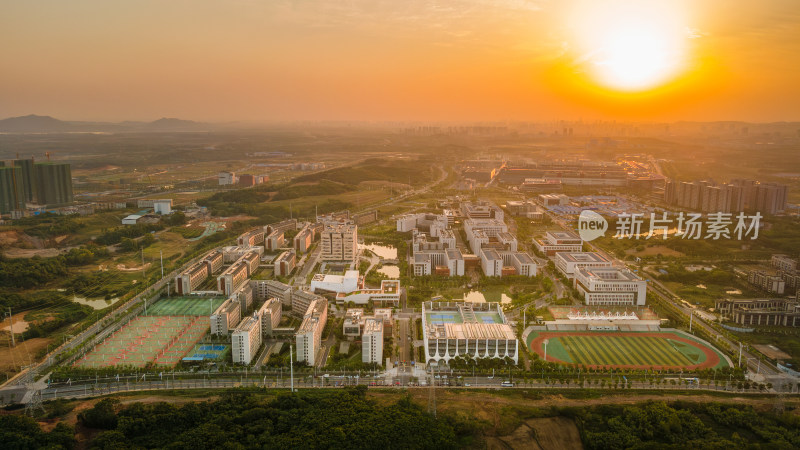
442	380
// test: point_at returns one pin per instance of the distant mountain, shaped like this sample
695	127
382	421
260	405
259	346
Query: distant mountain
46	124
33	123
174	124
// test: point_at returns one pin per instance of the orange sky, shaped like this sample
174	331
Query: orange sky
382	60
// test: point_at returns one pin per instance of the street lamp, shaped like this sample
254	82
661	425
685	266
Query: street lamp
545	349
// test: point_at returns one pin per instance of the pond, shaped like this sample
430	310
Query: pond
390	271
478	297
383	251
96	303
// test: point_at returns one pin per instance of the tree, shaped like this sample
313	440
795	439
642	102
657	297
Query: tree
102	415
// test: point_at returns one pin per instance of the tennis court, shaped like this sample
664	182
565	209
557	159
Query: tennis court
488	317
443	318
185	306
207	352
160	340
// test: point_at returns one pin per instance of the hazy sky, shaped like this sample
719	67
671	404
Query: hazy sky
387	60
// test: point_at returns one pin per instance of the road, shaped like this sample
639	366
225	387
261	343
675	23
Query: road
403	379
404	339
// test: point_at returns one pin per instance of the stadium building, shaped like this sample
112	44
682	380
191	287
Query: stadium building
462	328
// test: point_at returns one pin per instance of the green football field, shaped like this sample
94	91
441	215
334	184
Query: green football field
185	306
626	349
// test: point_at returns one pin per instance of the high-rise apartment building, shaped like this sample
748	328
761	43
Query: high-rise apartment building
28	179
53	183
372	342
309	334
339	242
246	339
12	195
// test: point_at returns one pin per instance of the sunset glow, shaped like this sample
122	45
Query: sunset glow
365	60
631	46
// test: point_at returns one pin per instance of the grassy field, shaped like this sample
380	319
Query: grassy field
626	349
185	306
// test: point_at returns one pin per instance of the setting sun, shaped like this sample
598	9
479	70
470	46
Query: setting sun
631	47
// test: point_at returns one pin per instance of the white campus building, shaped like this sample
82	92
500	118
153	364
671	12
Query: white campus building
309	335
559	241
246	339
339	242
372	342
226	317
463	328
345	284
270	313
388	294
610	286
569	262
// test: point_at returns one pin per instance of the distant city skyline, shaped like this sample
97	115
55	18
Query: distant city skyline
462	60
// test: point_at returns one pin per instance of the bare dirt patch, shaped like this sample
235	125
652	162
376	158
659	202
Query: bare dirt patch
23	354
555	433
15	252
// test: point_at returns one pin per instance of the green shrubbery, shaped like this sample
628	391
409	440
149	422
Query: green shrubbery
321	419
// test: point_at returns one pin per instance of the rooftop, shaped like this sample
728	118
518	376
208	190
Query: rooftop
246	325
608	274
582	257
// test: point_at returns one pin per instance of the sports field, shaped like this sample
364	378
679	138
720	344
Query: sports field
635	350
439	317
207	352
160	340
185	306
